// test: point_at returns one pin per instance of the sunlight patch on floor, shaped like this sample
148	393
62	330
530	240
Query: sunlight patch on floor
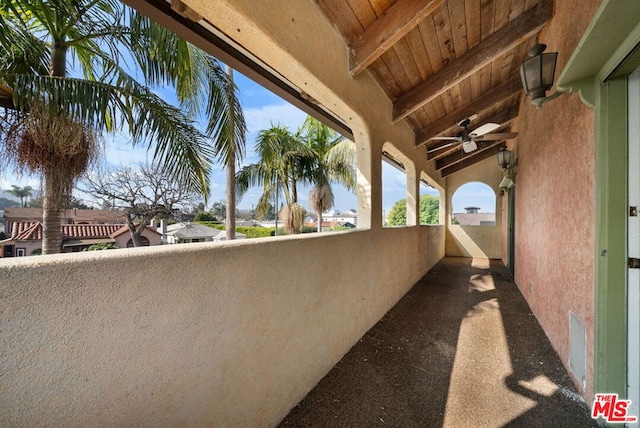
481	263
478	395
481	283
540	385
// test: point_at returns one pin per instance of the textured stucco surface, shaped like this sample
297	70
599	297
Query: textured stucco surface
555	199
475	241
227	334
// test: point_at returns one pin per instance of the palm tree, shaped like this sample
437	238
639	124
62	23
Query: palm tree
53	122
332	161
282	164
21	192
231	155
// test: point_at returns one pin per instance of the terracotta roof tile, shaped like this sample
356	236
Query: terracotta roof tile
32	231
26	231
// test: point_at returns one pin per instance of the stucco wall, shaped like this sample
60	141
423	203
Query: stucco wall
475	241
555	199
225	334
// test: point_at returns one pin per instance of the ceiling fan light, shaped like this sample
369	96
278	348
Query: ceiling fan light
469	146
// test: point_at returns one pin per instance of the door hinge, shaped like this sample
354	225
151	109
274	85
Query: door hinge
633	211
634	263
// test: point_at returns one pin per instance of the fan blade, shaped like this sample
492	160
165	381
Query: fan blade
446	138
497	136
435	149
484	129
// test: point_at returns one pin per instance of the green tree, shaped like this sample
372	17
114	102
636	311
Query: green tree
398	214
203	216
332	161
21	192
280	167
429	211
218	209
52	122
78	203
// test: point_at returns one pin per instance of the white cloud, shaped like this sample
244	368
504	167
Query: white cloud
259	118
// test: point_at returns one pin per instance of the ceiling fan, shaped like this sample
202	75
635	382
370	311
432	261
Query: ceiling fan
469	138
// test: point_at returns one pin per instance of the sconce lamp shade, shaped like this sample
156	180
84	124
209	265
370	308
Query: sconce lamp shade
504	158
537	73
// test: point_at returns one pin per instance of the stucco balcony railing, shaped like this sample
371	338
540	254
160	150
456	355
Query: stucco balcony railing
232	334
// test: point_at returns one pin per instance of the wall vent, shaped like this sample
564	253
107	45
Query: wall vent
577	349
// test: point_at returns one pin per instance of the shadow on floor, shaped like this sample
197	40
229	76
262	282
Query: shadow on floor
461	349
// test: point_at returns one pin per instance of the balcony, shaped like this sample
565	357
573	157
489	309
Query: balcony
237	333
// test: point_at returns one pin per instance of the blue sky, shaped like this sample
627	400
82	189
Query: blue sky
262	109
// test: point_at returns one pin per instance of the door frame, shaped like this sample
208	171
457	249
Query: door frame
598	70
633	243
511	230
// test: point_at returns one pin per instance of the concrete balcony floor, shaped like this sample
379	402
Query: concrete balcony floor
461	349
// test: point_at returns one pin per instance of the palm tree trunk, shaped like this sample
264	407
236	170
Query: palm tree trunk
52	206
51	220
58	65
319	220
230	218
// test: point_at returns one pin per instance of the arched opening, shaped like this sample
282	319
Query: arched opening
394	187
474	204
431	208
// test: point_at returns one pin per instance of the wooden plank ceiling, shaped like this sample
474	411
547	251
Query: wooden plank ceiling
441	61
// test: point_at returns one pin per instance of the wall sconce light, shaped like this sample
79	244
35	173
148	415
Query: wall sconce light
504	158
537	74
506	183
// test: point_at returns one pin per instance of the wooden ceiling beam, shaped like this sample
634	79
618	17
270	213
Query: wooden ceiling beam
438	153
483	102
493	47
394	24
473	159
501	118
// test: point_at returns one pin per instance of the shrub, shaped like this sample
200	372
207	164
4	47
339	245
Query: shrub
204	216
106	246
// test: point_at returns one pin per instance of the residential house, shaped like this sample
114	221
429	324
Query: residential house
329	225
26	238
341	217
253	326
222	236
180	233
69	216
473	217
185	232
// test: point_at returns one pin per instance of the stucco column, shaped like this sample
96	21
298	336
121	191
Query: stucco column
413	194
369	189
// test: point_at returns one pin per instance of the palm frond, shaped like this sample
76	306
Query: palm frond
179	146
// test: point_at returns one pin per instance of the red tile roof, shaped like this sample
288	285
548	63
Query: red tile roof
32	231
26	231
